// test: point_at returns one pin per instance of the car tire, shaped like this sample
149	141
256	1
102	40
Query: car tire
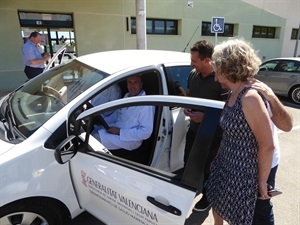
30	212
295	94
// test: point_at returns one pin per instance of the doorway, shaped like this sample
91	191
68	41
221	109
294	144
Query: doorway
57	31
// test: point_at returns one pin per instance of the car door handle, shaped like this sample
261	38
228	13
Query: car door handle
168	208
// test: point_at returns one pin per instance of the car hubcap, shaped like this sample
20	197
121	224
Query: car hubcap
23	218
296	95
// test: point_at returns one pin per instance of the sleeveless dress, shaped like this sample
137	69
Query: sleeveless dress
232	186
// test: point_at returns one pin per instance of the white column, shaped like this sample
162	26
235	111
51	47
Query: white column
141	37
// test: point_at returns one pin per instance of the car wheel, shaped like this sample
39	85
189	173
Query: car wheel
34	212
295	94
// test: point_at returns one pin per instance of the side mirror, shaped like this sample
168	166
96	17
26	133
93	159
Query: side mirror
66	150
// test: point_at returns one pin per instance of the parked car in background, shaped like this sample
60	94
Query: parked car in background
283	76
52	169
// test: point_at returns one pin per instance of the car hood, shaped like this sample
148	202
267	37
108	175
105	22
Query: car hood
5	146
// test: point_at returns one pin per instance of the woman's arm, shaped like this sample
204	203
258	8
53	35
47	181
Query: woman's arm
258	119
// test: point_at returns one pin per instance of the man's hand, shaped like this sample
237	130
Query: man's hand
281	117
114	130
195	116
46	56
187	112
264	89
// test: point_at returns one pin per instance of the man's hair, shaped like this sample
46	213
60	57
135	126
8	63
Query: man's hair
204	49
34	34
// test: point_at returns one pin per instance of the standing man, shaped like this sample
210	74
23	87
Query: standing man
201	84
282	119
33	60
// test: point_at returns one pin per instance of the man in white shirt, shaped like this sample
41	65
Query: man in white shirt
129	126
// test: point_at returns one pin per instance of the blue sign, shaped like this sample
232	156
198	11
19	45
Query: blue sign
217	24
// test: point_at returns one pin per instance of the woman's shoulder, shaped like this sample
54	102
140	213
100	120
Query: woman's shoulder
252	98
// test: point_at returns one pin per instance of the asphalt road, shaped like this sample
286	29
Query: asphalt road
286	206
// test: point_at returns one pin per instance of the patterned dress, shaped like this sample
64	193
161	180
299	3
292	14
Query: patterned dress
232	186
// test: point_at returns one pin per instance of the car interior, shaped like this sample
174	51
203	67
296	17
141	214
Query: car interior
144	154
194	170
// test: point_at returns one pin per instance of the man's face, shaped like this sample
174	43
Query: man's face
37	39
197	62
134	85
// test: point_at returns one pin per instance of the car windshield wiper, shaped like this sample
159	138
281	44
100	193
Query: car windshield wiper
8	120
7	127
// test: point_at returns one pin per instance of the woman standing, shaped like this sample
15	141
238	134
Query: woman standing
241	168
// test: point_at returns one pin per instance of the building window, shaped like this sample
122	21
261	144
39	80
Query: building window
157	26
263	32
294	34
206	28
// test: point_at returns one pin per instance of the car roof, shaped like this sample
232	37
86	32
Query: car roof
114	61
285	58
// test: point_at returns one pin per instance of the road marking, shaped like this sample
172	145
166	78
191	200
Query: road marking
294	128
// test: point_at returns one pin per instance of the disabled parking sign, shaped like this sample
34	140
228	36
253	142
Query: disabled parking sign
217	24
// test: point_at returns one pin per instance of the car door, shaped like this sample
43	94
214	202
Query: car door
278	74
119	191
265	71
57	58
282	77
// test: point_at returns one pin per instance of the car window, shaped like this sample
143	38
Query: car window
152	85
293	66
282	66
287	66
177	79
268	66
41	98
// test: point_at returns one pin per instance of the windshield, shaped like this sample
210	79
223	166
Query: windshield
38	100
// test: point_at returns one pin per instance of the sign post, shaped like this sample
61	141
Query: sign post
217	26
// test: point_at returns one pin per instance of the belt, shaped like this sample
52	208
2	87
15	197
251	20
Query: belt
35	67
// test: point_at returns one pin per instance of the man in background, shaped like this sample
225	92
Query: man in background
33	60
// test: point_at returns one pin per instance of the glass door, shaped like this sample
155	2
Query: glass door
56	29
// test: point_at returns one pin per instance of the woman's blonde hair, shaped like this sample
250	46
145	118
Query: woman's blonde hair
235	59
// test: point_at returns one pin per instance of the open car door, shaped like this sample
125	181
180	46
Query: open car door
119	191
57	58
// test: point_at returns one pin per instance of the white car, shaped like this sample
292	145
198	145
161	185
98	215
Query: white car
52	169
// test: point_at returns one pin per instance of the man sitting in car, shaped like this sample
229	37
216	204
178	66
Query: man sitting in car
128	127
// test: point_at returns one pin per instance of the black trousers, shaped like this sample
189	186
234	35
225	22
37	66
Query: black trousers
263	213
32	72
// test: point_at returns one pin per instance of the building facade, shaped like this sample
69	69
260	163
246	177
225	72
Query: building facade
91	26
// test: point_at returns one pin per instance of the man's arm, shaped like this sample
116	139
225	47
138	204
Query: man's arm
281	117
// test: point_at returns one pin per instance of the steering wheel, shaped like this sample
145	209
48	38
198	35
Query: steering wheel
101	121
98	119
52	92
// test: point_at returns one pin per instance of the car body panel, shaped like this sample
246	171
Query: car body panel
126	59
108	190
27	174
